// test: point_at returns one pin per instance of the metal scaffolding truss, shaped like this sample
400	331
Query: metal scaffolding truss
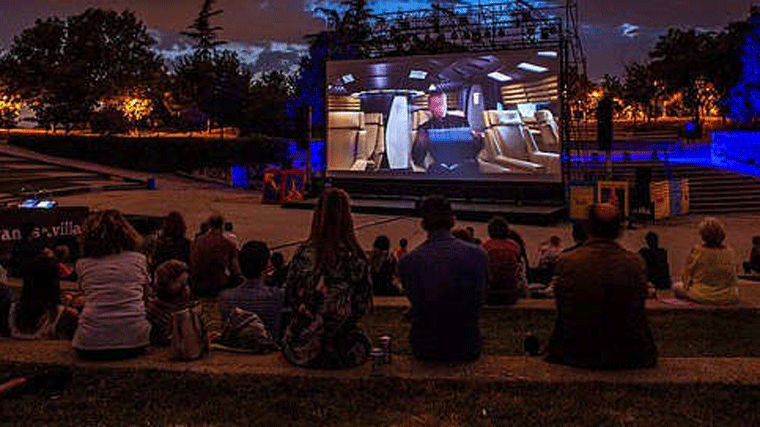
515	25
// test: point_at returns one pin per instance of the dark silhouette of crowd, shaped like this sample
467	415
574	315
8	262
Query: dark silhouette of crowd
131	289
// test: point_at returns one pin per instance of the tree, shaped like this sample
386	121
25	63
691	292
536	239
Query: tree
202	31
267	113
214	84
744	100
64	69
681	59
347	38
639	89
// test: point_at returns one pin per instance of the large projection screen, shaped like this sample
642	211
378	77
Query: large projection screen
479	116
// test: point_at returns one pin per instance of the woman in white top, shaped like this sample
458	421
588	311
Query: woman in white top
113	276
39	315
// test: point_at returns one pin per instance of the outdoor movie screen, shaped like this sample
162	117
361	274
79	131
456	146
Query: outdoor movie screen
467	116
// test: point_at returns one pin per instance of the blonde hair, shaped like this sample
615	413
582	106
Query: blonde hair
712	232
108	233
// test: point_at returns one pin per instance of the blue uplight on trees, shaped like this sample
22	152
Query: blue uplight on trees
744	100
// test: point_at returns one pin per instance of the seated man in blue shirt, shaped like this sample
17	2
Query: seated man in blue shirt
446	283
265	301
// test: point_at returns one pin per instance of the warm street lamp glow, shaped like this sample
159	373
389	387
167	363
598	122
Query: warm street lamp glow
136	109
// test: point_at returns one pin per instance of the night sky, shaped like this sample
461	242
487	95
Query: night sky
614	32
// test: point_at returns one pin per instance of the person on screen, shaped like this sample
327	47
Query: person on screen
440	119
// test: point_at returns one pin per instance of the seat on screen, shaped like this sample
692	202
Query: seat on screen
347	138
374	150
506	135
549	131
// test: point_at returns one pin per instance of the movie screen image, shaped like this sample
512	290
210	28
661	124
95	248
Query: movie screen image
468	116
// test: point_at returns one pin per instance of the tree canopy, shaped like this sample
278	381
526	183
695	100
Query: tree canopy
65	68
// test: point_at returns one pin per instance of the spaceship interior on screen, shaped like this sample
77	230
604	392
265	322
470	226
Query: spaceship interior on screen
467	116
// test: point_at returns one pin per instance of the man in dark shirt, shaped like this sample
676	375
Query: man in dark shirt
656	260
445	280
213	261
455	158
265	301
601	321
753	266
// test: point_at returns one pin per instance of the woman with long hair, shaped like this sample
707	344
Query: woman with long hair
113	275
39	314
329	289
171	242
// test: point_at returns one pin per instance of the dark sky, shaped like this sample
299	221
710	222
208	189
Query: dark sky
614	32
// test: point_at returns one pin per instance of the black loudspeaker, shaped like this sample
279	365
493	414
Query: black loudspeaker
643	179
604	131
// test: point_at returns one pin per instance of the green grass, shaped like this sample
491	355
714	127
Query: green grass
114	397
677	333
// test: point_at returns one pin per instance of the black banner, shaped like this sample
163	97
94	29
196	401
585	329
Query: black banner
58	224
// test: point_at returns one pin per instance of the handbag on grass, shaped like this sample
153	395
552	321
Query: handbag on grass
245	330
189	334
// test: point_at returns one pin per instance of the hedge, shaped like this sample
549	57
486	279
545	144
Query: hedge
154	154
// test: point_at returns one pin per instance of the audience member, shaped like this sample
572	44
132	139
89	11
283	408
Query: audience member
383	268
402	248
600	291
710	273
6	299
203	230
462	234
65	271
39	314
230	235
579	237
173	294
656	260
279	271
515	236
214	261
445	280
253	296
504	282
25	251
753	266
114	277
473	238
548	257
329	289
170	244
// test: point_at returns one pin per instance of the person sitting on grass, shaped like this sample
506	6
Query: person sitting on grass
753	265
214	261
39	314
579	237
383	268
445	280
329	290
504	271
279	271
548	257
600	290
171	243
402	248
253	296
173	294
656	260
114	277
710	273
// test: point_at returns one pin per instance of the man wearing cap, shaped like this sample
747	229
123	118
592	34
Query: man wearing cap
600	291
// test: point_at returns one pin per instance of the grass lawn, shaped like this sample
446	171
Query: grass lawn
144	398
677	333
